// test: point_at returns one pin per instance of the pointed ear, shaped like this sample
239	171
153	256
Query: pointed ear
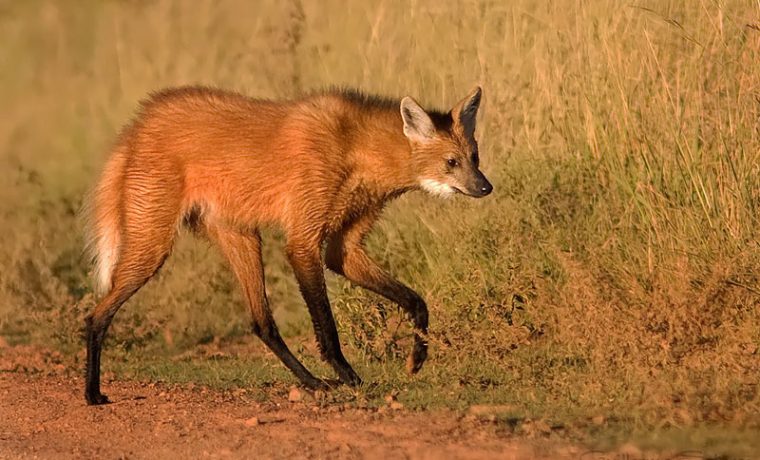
466	111
417	123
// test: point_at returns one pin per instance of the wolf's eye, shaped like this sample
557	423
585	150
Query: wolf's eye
452	162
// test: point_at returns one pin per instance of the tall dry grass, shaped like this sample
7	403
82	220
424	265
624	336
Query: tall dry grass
615	270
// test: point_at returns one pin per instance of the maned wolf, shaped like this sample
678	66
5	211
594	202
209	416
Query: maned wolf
321	168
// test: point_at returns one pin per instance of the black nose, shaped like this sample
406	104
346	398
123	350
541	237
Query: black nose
486	189
480	187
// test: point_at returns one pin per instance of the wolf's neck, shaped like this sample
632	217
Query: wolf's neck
382	154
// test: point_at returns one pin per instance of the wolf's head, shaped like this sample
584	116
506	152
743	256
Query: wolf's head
444	151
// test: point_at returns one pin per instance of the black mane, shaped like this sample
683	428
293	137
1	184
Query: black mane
441	120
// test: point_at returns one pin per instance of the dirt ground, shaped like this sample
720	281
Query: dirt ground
43	415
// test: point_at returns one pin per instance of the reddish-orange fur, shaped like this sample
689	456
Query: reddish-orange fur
321	168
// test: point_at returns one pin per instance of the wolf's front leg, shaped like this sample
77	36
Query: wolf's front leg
346	256
306	260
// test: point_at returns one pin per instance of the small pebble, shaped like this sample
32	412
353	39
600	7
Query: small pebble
295	395
253	421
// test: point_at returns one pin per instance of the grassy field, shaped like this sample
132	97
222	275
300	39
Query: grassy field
615	271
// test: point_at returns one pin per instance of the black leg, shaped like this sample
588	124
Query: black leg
94	343
271	337
346	256
96	327
243	252
307	264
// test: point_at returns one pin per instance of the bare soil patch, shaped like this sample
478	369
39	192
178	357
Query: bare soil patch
43	415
